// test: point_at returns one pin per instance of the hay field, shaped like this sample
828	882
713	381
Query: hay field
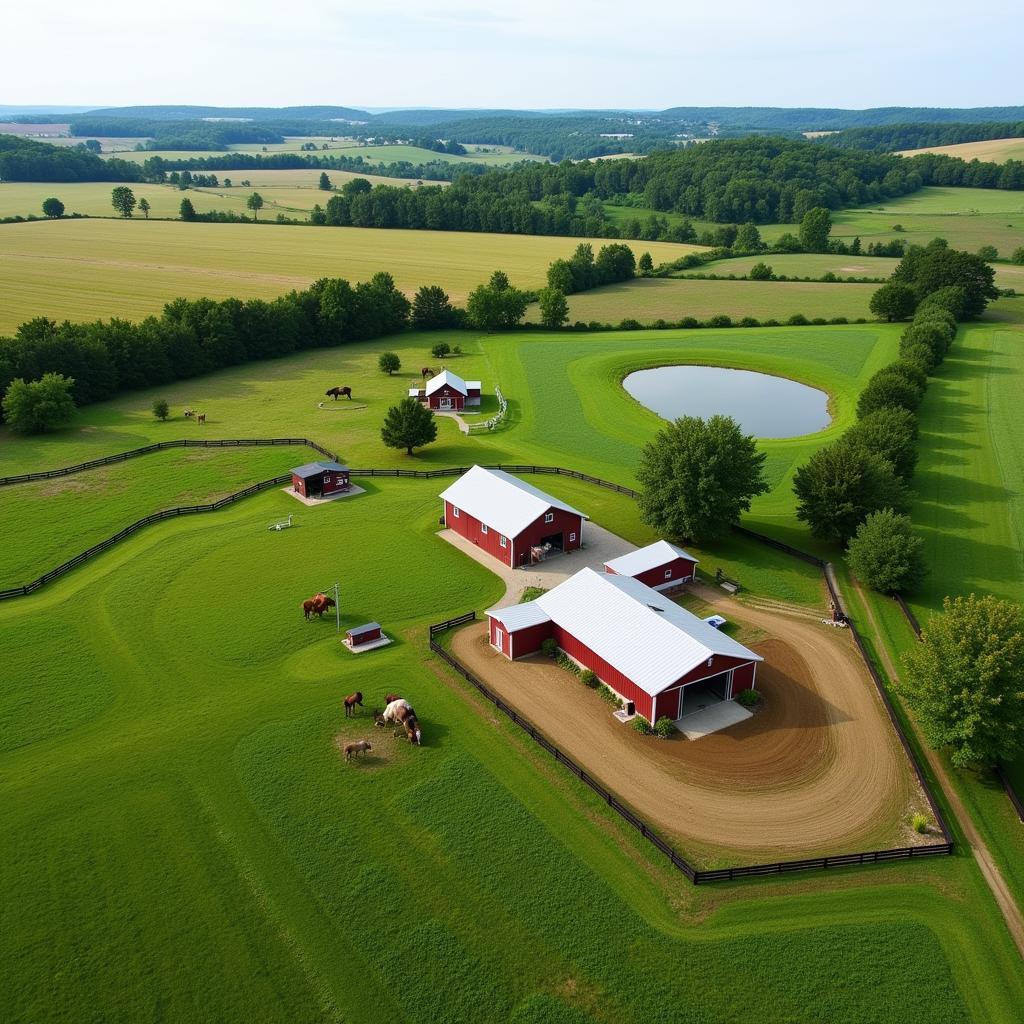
82	269
658	298
990	150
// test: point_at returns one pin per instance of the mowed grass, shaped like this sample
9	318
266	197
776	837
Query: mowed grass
85	269
174	803
659	298
988	151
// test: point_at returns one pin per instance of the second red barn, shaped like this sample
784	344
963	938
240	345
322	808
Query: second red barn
660	565
510	519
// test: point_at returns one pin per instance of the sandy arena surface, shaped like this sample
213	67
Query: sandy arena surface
818	769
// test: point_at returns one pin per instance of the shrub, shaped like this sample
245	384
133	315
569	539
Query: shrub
893	301
797	320
440	350
885	554
36	406
629	324
760	272
588	678
608	695
389	362
688	323
548	647
562	660
891	433
641	725
750	321
919	356
988	253
665	728
749	698
919	823
952	299
161	409
720	321
456	350
1018	255
892	386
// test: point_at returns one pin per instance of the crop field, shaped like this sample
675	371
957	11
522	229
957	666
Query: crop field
189	797
659	298
989	150
802	264
86	269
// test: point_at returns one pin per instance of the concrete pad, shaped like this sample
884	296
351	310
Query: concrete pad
350	493
600	545
717	716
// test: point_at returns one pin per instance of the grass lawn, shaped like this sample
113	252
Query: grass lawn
802	264
91	268
182	812
661	298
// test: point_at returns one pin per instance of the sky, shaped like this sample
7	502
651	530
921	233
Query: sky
540	54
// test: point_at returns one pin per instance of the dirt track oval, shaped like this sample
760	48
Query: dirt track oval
818	770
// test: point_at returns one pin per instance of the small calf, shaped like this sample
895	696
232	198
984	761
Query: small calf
359	747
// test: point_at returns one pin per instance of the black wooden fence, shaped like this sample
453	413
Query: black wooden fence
697	876
109	460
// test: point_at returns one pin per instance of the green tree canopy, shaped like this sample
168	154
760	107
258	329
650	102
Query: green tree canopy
255	203
161	409
646	264
496	305
965	680
814	229
432	310
325	182
840	485
408	425
186	210
935	267
893	301
53	207
554	309
890	432
36	406
122	198
698	476
885	554
760	272
748	239
891	386
144	207
389	363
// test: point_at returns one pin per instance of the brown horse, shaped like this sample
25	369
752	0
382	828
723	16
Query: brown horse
351	702
400	712
359	747
426	371
200	417
308	607
337	393
412	729
323	604
391	697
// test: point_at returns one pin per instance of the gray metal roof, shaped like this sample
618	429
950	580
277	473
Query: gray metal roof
316	468
651	557
363	628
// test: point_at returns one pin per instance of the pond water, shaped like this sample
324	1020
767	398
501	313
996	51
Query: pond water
763	405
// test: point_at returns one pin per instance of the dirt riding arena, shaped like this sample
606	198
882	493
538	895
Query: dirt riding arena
818	769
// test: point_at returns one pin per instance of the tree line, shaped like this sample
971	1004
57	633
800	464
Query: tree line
891	138
30	160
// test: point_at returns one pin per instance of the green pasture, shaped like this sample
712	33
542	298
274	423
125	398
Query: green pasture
648	299
84	269
181	828
801	264
988	150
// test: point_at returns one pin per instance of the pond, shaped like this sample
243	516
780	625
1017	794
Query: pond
763	405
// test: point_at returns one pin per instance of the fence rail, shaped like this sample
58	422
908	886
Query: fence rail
496	418
695	875
109	460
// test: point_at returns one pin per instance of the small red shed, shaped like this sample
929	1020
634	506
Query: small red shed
660	565
368	633
320	479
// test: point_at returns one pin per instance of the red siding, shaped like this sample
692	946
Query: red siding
506	641
473	530
562	522
605	672
719	663
668	704
458	399
528	640
366	636
681	569
743	678
299	486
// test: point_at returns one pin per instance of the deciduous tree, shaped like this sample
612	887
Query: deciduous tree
122	198
698	476
965	680
893	301
554	309
432	310
389	363
255	203
814	229
408	425
53	207
144	207
885	554
36	406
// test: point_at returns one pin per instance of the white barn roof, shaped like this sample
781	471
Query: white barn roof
651	557
452	380
502	501
648	638
520	616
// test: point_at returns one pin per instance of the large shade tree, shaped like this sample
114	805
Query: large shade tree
885	554
965	680
698	477
36	406
408	425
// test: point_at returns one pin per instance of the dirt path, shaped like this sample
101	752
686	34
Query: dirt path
818	769
989	870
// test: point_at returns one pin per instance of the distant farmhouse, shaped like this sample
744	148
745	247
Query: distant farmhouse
447	392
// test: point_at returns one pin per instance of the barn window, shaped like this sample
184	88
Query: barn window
549	517
668	574
455	512
483	527
572	537
504	542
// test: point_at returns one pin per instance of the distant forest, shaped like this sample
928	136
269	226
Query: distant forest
895	137
28	160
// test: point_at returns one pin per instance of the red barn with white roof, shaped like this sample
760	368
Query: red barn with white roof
510	519
643	646
447	392
660	565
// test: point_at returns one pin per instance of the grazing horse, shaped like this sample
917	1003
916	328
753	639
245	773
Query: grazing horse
308	607
391	697
189	413
378	718
426	371
359	747
322	604
337	393
200	417
400	712
351	702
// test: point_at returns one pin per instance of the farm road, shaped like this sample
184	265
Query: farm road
819	769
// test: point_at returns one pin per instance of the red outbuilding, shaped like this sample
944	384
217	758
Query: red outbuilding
368	633
447	392
511	520
660	565
320	479
660	658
